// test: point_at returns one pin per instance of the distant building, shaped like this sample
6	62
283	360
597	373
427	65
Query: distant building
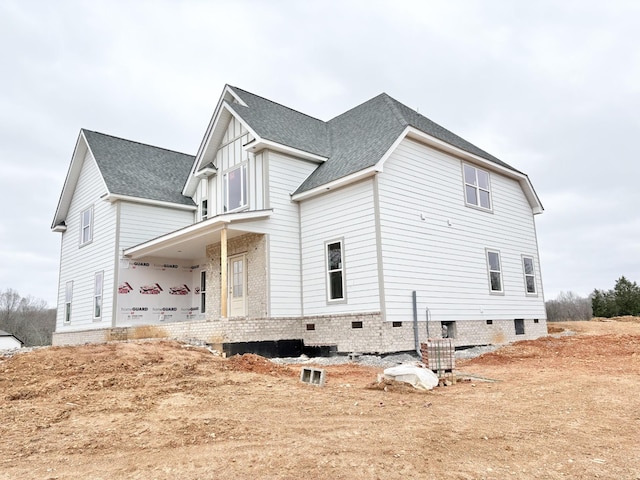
9	341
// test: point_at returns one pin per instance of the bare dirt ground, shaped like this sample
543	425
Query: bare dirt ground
566	407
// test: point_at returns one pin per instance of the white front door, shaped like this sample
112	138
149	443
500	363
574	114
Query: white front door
237	286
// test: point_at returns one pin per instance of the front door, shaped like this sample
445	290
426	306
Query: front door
237	286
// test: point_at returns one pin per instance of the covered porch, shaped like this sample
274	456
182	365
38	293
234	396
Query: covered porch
219	268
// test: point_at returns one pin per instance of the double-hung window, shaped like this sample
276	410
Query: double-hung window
86	226
529	275
97	296
204	204
494	267
477	191
235	189
68	297
335	271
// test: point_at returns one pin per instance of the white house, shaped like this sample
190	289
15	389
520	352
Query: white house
286	227
9	341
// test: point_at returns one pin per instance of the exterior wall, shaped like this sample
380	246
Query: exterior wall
285	174
230	155
80	263
254	246
433	243
346	214
140	223
375	336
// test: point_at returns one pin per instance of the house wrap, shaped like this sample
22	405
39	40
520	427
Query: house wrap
284	227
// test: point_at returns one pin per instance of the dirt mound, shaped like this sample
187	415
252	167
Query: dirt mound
626	318
389	385
257	364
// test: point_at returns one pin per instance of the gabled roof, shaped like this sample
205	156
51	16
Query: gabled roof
138	170
361	137
129	169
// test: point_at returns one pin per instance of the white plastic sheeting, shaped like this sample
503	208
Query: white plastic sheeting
418	377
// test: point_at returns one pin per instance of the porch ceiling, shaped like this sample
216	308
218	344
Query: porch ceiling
191	242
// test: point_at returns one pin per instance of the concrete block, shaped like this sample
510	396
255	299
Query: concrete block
313	376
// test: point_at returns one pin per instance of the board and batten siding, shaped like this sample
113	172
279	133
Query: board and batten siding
346	214
140	223
80	263
433	243
230	155
283	227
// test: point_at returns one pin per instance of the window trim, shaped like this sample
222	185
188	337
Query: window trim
342	270
525	275
244	186
88	226
489	271
203	291
477	188
68	300
98	294
204	209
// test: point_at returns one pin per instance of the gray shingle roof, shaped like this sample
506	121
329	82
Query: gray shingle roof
352	141
139	170
280	124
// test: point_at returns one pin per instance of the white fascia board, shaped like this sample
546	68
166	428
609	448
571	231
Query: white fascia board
524	181
261	144
340	182
113	197
194	231
223	105
71	180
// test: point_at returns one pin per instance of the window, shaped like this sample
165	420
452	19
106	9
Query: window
203	290
97	296
86	226
495	271
529	275
235	189
68	297
477	191
518	324
204	210
335	271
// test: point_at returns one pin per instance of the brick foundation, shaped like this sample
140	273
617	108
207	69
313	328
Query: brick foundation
365	333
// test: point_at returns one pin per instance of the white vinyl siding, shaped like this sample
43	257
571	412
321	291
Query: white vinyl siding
434	244
285	175
346	214
140	223
80	264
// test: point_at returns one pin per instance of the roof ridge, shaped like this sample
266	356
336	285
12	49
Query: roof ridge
279	104
353	108
389	100
135	141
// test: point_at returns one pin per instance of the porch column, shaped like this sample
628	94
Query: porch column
223	273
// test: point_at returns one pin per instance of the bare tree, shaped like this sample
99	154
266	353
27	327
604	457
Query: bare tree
28	318
568	306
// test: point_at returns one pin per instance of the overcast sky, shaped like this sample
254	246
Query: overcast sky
552	88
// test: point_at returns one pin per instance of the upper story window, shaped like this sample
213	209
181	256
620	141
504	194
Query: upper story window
204	209
335	271
494	267
529	275
477	191
235	188
86	226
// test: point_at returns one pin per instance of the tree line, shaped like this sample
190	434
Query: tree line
27	318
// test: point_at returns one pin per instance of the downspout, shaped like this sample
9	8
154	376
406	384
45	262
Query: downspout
415	324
